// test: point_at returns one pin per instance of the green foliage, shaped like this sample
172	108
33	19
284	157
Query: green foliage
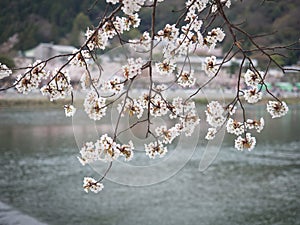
279	59
80	23
7	61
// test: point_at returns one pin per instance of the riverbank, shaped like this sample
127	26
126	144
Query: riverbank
13	99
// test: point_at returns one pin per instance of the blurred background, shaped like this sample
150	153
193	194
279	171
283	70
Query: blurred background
41	179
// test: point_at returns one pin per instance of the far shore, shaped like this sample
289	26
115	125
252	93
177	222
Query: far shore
13	99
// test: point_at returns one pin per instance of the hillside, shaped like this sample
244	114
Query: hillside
59	21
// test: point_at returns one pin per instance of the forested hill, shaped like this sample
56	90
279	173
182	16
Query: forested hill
60	21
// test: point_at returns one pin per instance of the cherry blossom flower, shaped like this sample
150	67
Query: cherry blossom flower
165	68
107	149
143	100
59	87
209	66
114	85
158	106
143	44
196	5
253	95
131	20
211	133
245	143
69	110
81	57
90	184
126	150
94	106
98	39
154	149
133	107
168	134
189	122
252	78
104	149
4	71
131	6
32	78
88	153
231	109
216	34
186	79
169	33
255	124
235	127
227	4
214	114
277	109
176	108
110	28
133	68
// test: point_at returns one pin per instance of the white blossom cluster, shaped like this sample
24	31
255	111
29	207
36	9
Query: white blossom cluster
96	39
210	66
252	80
155	148
227	3
258	125
240	129
105	149
169	33
179	41
132	6
253	95
59	87
277	109
186	78
94	105
90	184
32	77
196	6
158	106
114	85
211	133
133	68
235	127
247	142
165	67
168	134
80	58
132	107
189	33
217	115
143	43
214	36
184	112
99	38
4	71
69	110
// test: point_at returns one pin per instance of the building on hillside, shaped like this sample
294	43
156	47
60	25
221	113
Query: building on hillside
46	50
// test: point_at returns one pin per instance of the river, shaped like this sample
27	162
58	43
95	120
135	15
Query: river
42	179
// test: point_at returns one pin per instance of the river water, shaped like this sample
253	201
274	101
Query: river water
42	179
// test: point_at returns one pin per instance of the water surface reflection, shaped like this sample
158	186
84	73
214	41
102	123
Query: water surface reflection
41	177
